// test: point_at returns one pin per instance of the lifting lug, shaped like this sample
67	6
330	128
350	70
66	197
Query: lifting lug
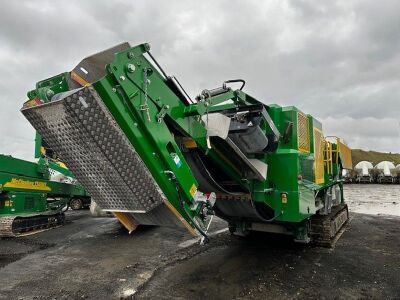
161	114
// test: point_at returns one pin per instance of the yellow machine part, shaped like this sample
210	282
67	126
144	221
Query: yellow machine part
189	143
345	154
78	79
127	220
319	156
342	151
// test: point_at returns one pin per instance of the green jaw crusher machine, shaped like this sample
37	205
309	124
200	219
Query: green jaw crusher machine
150	154
34	195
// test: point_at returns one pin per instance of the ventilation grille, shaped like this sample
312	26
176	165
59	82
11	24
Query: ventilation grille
303	136
29	203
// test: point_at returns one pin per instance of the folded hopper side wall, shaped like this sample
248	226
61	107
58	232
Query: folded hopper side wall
83	132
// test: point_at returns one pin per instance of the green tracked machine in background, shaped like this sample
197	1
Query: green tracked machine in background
33	196
152	155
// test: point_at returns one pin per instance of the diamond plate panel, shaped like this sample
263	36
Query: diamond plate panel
86	137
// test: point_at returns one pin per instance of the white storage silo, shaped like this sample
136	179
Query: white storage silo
347	176
364	171
398	173
386	172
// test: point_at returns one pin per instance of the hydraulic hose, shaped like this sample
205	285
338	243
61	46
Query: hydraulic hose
234	80
178	190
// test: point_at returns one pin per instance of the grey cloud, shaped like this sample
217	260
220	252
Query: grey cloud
337	60
366	133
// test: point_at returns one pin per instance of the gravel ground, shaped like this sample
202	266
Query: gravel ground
364	264
94	258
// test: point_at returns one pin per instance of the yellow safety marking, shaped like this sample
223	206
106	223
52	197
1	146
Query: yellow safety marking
26	184
78	79
127	220
32	103
62	165
180	218
193	190
42	150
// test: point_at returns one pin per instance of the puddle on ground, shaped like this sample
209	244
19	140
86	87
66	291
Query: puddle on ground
374	199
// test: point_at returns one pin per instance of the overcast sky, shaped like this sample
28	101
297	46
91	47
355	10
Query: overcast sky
337	60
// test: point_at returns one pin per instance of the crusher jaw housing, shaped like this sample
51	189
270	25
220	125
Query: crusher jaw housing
152	155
